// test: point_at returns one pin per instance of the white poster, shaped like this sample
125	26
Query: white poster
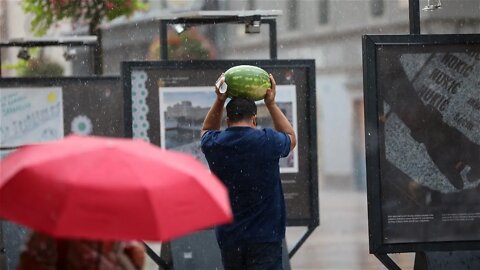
30	115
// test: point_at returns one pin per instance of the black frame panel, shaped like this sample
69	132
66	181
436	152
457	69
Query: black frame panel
204	73
388	81
272	24
99	98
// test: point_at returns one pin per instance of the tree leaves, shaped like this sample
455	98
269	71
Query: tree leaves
80	12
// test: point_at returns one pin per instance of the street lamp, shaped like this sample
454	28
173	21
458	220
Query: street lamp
69	54
252	27
433	5
23	54
180	28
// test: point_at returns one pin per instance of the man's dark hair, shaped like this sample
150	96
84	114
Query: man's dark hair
239	109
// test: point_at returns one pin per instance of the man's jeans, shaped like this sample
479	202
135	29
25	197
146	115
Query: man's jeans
257	256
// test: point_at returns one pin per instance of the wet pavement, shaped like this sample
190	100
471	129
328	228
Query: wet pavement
341	240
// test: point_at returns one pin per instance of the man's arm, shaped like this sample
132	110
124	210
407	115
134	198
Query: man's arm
280	121
214	116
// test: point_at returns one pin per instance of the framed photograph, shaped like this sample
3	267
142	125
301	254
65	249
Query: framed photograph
422	111
183	109
170	99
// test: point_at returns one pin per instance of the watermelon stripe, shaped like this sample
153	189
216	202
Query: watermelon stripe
247	81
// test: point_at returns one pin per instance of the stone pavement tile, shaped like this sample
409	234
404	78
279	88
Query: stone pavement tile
341	240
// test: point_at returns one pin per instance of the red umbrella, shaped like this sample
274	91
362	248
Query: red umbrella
111	189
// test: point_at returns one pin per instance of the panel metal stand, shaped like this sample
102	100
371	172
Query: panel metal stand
196	251
3	250
414	16
447	260
251	19
12	238
387	261
432	260
414	21
75	41
164	261
302	240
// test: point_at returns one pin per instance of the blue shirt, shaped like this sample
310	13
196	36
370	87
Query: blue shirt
245	159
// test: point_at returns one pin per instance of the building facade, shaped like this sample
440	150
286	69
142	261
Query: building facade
328	31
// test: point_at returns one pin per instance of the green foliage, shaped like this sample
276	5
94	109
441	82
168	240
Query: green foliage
92	12
41	68
190	44
19	66
192	48
36	66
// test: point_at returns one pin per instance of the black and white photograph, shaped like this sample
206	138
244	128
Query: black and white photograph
183	109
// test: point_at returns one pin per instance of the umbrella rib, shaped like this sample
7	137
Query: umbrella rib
155	214
77	179
145	190
153	211
62	210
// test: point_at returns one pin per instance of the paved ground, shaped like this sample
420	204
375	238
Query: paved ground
341	240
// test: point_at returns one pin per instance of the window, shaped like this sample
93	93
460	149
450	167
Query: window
251	5
323	11
404	4
376	7
292	8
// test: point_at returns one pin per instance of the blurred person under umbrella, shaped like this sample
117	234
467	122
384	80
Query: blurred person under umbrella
43	252
109	189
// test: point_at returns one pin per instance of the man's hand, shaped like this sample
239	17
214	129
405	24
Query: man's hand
271	92
220	96
280	121
214	116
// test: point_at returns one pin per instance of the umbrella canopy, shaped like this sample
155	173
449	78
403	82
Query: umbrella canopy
110	189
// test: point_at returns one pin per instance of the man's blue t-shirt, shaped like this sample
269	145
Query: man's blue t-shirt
246	161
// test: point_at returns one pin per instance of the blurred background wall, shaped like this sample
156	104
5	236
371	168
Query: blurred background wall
328	31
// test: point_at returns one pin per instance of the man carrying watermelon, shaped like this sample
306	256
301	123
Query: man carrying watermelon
246	160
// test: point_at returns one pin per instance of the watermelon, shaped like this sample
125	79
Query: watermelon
247	81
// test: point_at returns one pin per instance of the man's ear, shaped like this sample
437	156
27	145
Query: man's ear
227	121
254	120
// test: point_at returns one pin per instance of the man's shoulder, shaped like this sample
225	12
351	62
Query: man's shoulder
210	132
272	132
208	136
